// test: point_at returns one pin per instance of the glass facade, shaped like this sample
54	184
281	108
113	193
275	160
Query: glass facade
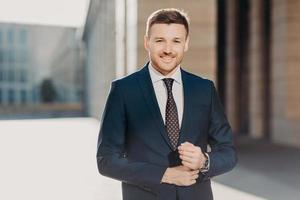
13	61
18	82
10	36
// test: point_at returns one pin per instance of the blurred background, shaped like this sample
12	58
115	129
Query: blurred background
58	58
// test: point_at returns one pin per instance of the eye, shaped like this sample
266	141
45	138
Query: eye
177	41
158	40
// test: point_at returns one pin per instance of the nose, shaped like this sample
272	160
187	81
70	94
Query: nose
168	48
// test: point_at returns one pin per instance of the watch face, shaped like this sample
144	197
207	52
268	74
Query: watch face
205	166
206	163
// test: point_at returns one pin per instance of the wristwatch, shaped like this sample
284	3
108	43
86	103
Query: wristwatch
205	167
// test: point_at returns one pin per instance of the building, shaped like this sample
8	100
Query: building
249	48
16	70
25	59
28	54
67	68
259	60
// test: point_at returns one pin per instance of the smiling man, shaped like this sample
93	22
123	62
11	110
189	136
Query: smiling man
158	122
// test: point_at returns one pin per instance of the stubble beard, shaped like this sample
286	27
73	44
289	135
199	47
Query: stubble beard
163	68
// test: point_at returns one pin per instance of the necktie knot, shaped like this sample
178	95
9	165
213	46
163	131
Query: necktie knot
169	83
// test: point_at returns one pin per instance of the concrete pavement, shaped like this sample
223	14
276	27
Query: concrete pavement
55	159
271	171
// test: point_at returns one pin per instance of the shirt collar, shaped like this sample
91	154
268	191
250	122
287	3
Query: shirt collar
157	76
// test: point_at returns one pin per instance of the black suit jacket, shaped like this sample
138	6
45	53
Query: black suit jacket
133	145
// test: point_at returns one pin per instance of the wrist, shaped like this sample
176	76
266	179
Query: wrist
206	163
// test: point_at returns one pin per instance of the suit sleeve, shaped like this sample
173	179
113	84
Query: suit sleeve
111	159
220	138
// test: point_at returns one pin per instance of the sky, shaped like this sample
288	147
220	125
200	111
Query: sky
69	13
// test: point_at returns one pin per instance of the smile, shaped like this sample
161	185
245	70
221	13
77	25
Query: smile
166	59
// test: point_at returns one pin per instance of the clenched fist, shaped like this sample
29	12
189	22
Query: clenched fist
191	156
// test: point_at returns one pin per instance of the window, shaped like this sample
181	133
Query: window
23	96
11	56
3	55
79	95
11	76
11	96
23	36
10	36
3	75
34	94
23	56
23	76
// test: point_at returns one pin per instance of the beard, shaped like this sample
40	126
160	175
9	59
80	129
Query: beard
165	67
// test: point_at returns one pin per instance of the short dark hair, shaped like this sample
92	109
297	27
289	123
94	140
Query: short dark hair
168	16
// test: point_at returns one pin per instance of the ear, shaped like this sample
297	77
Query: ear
146	43
186	45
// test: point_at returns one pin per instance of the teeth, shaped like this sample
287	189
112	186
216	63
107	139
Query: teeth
167	59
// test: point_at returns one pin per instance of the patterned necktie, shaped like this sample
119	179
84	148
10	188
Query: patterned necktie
172	123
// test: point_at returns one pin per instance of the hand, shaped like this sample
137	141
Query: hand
191	156
180	176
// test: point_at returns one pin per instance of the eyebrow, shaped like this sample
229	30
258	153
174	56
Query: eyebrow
176	38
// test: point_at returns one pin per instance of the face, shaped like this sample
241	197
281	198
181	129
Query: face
166	44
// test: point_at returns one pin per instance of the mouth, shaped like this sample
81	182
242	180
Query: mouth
166	59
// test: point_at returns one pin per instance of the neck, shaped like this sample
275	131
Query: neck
167	74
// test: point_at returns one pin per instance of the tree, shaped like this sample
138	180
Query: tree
48	92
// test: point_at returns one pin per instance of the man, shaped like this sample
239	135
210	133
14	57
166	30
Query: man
158	122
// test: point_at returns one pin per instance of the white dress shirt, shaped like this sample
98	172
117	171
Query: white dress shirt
161	91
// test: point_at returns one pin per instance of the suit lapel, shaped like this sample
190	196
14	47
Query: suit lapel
187	107
150	98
